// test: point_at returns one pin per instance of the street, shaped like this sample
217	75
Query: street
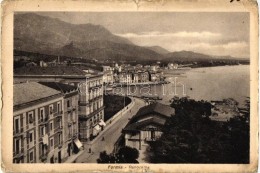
111	133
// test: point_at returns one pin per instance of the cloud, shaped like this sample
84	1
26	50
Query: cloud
238	49
206	42
183	34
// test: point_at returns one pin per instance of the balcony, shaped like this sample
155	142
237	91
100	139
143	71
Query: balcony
60	144
95	86
70	136
95	98
58	129
18	132
92	113
43	121
19	153
43	157
59	114
75	136
71	109
83	103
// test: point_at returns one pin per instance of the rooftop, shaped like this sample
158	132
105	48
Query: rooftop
55	70
60	86
140	124
29	92
155	108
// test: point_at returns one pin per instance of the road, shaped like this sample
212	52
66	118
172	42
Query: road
110	134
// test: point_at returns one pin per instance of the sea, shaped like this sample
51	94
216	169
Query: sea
209	84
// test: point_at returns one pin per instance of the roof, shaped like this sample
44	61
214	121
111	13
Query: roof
60	86
29	92
140	124
53	70
159	108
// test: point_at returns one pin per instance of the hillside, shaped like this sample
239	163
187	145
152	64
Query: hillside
158	49
35	33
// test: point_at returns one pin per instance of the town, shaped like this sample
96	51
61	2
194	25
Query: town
102	90
60	115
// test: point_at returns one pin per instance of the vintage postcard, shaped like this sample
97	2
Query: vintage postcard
129	86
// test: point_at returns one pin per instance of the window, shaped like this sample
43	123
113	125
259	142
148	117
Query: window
50	109
17	125
42	131
31	156
17	145
51	126
59	109
68	103
31	136
41	114
30	117
51	142
60	139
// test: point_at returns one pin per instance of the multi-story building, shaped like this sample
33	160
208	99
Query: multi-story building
108	77
37	124
90	85
125	77
107	68
135	77
70	117
91	107
143	76
154	76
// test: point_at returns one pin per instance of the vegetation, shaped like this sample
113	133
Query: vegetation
114	104
124	155
191	137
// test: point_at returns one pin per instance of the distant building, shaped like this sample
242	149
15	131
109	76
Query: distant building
125	77
146	125
107	68
144	76
43	64
108	77
21	58
172	66
154	67
154	76
52	63
31	64
135	77
39	128
139	66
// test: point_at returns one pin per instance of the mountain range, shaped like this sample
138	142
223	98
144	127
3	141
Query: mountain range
46	35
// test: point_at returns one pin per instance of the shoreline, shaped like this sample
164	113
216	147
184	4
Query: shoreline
136	84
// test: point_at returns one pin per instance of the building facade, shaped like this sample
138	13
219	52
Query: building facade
39	125
146	125
70	117
91	107
90	86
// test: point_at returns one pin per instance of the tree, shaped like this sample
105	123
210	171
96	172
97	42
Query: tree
124	155
190	136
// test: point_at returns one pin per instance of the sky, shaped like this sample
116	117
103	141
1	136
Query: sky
218	33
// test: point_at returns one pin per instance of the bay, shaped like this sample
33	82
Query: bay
211	83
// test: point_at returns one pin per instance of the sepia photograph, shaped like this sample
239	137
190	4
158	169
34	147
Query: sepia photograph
101	88
132	87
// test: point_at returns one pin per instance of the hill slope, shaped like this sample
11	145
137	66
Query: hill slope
35	33
158	49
